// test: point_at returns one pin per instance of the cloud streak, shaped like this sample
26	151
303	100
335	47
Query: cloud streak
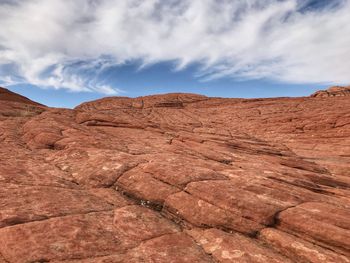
69	44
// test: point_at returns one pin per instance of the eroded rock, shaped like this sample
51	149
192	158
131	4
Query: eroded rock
176	178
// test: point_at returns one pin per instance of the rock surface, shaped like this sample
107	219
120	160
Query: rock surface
176	178
335	91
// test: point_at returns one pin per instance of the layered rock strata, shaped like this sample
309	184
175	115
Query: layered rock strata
175	178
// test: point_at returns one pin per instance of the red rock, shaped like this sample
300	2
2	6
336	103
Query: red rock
13	105
7	95
319	223
29	171
177	247
93	167
335	91
142	186
181	174
299	249
234	247
203	214
176	178
111	197
2	260
168	248
67	237
21	204
135	224
82	236
238	201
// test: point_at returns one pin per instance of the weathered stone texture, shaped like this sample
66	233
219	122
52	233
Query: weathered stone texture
176	178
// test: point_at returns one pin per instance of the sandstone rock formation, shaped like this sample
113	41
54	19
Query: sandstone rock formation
175	178
7	95
335	91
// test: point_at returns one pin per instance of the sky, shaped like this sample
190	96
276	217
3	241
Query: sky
63	52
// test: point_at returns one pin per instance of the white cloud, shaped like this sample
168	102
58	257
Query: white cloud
67	44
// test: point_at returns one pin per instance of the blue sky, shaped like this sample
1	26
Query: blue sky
62	53
161	78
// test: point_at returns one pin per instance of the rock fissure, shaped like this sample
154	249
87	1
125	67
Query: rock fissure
44	218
